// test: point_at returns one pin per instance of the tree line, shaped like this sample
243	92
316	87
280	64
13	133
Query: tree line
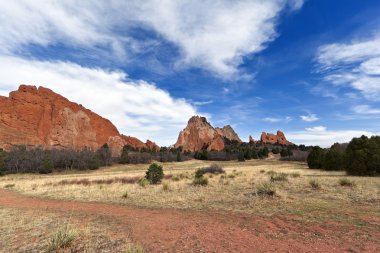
360	157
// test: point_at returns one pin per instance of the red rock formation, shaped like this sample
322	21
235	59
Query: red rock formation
251	140
40	117
278	138
228	132
199	133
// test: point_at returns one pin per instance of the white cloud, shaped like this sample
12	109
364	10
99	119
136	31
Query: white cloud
316	129
275	120
309	118
355	64
325	138
136	107
214	35
365	109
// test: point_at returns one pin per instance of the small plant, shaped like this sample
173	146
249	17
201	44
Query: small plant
176	178
265	189
133	249
271	172
314	184
262	171
346	182
154	173
295	174
143	182
7	186
278	177
125	195
165	186
63	238
201	181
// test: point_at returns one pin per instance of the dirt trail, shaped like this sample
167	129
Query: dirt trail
168	230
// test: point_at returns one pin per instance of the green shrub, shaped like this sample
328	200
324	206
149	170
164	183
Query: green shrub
316	158
176	178
201	181
62	239
265	189
314	184
346	182
125	195
154	173
241	157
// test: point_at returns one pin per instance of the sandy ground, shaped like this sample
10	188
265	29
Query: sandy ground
171	230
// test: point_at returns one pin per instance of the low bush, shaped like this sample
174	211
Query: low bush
125	195
201	181
265	189
346	182
7	186
212	169
314	184
154	173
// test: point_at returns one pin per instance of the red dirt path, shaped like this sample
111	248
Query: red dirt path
169	230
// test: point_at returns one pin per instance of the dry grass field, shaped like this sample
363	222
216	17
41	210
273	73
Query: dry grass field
305	196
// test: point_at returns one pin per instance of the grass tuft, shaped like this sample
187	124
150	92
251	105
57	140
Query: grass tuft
314	184
165	186
134	249
278	177
62	239
265	189
346	182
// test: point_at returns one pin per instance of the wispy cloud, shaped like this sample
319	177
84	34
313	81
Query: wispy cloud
213	35
316	129
200	103
309	118
275	120
355	64
365	109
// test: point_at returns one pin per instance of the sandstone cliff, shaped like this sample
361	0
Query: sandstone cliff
199	133
39	117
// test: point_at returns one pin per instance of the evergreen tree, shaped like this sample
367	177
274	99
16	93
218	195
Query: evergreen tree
316	158
124	159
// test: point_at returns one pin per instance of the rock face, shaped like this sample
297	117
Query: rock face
40	117
199	134
278	138
228	132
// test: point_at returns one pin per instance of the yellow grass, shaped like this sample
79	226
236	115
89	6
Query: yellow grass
231	192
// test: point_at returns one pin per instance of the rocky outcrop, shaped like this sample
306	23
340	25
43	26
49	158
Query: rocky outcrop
39	117
199	134
228	132
251	140
271	138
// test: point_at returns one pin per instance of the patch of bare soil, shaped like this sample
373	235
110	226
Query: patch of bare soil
171	230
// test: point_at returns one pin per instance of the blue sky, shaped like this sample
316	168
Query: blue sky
310	68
